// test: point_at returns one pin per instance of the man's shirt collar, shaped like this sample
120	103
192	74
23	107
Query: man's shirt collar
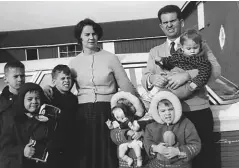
177	43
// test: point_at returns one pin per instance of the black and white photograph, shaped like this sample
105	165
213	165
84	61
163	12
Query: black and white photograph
119	84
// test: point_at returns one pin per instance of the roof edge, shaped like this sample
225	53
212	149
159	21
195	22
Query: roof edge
185	5
101	41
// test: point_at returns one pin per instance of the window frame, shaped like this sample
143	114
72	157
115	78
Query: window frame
76	52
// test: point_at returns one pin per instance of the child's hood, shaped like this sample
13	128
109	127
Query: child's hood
139	109
19	104
162	95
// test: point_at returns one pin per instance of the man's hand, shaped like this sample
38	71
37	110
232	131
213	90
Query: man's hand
159	80
176	80
171	152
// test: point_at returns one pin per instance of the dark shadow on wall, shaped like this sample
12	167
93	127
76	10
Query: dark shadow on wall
5	56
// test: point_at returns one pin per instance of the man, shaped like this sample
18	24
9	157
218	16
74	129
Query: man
196	106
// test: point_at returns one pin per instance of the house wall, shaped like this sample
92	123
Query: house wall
190	20
225	14
137	46
120	47
18	54
7	55
216	14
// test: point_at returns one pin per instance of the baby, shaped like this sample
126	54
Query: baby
191	56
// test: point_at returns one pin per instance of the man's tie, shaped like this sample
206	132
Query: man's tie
172	49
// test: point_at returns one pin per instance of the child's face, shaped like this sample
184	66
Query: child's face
189	47
119	115
32	101
166	111
15	78
63	82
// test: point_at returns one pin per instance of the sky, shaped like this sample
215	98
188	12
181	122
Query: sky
25	15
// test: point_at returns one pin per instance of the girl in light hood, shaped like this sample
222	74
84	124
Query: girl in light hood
172	140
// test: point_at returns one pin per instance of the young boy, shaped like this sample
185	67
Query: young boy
166	110
61	152
14	72
14	77
20	124
191	56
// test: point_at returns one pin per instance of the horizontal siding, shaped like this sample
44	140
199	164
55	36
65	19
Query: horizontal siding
227	149
48	53
137	46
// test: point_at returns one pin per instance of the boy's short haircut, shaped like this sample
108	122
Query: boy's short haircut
192	34
13	64
60	68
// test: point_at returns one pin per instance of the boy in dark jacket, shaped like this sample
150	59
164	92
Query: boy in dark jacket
14	72
61	151
20	124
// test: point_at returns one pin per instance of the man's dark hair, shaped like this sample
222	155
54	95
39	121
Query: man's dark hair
170	9
13	64
60	68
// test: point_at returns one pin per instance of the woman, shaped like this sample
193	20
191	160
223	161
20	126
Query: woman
98	74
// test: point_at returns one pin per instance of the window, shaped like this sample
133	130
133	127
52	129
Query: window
69	50
31	54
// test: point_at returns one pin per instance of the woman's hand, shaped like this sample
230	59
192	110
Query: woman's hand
48	92
29	150
177	79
